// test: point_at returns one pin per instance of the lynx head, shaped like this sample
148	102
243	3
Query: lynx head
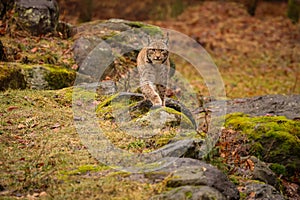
157	51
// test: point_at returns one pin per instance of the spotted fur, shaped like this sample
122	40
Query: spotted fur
154	67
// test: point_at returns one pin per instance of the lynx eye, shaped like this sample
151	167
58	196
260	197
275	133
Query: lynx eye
165	52
151	51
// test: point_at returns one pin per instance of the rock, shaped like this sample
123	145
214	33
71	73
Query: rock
275	139
186	171
191	192
277	105
37	16
263	173
187	148
11	77
82	47
174	114
101	88
261	191
109	47
18	76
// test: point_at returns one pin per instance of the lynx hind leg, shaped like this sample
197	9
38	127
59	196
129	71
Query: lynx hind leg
162	93
149	92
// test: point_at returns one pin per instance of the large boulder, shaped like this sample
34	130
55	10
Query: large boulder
189	176
261	191
19	76
273	139
270	105
109	48
37	16
192	193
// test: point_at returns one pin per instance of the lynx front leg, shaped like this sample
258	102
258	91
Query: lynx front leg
162	93
149	92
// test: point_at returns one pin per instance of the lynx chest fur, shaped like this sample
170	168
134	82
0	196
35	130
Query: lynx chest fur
154	66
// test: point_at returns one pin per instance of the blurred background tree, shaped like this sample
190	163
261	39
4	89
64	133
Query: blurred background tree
75	11
293	10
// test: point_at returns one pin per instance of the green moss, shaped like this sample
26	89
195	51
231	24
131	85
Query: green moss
58	77
107	101
243	195
110	35
272	139
137	144
278	169
149	29
188	194
11	77
234	179
85	169
185	121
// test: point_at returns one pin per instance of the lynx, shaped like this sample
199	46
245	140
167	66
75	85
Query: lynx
154	66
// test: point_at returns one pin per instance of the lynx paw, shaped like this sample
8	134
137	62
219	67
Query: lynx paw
157	102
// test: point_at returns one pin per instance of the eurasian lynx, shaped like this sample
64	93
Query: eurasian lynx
154	66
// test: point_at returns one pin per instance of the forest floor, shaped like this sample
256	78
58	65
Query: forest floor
41	155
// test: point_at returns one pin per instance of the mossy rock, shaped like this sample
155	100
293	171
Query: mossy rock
21	76
273	139
138	107
131	123
11	77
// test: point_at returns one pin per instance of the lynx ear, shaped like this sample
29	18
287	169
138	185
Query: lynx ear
167	39
148	40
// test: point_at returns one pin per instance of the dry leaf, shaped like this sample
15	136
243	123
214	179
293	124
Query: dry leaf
12	108
34	50
250	164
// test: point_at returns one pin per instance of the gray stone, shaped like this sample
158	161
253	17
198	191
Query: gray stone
263	173
181	148
83	46
261	191
188	171
191	192
37	16
99	44
279	105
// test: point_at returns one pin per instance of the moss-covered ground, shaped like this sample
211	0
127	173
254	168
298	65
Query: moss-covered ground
41	154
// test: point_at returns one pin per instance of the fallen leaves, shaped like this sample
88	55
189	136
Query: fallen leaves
11	108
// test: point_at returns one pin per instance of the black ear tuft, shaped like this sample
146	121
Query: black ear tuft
167	39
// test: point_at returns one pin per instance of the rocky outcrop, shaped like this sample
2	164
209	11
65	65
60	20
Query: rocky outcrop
194	179
268	105
261	191
19	76
191	192
109	48
37	16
